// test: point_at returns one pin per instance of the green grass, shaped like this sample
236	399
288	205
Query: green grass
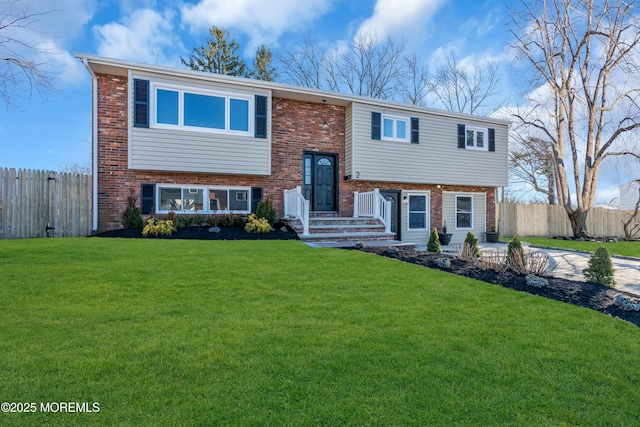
624	248
162	332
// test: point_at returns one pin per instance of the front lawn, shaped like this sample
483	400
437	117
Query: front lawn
624	248
170	332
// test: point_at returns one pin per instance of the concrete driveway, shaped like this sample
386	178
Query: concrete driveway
569	265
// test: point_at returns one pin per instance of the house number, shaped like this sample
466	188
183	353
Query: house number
357	174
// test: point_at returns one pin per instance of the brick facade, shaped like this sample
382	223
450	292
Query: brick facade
296	127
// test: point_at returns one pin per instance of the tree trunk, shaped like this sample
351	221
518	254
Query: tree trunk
578	219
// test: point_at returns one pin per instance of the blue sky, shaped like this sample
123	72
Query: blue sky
47	133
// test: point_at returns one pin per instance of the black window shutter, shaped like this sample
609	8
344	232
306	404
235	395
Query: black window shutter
461	136
492	139
141	103
415	130
376	119
261	116
147	198
256	197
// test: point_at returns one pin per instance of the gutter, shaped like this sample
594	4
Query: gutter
94	141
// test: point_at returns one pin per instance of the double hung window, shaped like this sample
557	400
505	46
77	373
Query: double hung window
476	138
395	128
417	211
464	212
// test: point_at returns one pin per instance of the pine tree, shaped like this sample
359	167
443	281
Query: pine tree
600	268
262	69
472	241
434	242
219	55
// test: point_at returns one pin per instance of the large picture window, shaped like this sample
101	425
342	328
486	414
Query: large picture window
202	199
464	211
216	112
417	211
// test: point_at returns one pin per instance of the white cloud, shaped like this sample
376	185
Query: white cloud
391	18
143	36
263	21
49	28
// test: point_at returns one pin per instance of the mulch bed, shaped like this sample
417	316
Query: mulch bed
590	295
203	233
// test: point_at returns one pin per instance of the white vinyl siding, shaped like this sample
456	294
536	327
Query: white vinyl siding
435	160
189	150
348	134
419	236
478	215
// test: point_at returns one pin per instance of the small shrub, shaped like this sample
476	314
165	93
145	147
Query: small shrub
158	227
493	260
131	217
214	220
472	241
198	220
600	268
515	253
538	264
227	221
434	242
257	225
467	253
626	303
240	221
184	221
266	210
443	262
171	216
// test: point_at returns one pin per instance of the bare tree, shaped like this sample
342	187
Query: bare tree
22	60
303	62
366	66
583	53
462	89
531	163
415	82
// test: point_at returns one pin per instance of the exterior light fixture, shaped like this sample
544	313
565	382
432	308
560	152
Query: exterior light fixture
325	125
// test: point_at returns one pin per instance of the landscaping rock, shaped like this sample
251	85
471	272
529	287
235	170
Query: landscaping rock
535	281
214	230
359	245
392	250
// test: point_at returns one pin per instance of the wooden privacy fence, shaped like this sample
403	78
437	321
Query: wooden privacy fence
36	203
540	220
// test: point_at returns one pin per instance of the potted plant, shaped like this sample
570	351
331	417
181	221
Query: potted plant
444	237
492	236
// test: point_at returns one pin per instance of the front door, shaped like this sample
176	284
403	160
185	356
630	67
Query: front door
393	196
320	181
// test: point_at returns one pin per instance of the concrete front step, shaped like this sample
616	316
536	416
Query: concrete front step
334	229
355	236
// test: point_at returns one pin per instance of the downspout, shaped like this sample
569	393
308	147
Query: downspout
94	141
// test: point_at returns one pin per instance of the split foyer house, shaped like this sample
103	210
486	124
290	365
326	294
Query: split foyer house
195	142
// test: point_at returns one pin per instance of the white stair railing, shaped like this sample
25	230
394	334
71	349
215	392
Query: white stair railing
372	205
296	206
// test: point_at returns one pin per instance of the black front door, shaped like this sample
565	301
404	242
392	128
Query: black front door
393	196
320	181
